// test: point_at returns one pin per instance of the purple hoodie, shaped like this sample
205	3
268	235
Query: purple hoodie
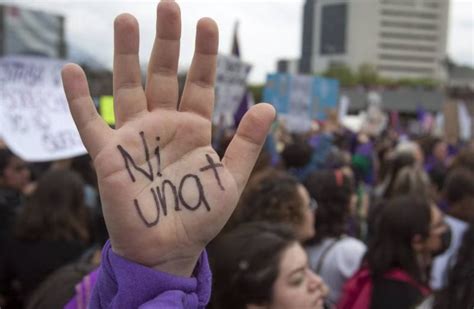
120	283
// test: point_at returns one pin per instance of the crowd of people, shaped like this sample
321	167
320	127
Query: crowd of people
392	227
324	219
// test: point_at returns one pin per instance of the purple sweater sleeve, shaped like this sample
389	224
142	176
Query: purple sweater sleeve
125	284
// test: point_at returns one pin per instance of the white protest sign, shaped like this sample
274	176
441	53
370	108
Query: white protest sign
464	121
353	123
301	95
34	115
300	102
344	103
231	83
375	119
439	125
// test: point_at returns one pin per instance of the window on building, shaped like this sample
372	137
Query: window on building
408	36
333	29
399	13
398	2
431	4
396	46
407	58
396	68
409	25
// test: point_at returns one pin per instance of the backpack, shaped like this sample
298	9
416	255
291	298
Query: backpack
357	292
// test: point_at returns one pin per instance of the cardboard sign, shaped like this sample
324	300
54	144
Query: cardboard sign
34	115
451	123
231	84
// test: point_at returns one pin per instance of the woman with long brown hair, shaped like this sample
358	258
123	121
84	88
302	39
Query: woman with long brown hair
51	230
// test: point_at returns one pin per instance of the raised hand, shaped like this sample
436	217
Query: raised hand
164	191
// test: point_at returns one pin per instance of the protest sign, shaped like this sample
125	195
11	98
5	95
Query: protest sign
353	123
300	104
439	124
34	115
277	92
343	108
106	109
451	121
301	98
325	94
375	119
231	83
464	121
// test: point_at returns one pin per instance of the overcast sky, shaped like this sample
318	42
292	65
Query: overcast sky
269	29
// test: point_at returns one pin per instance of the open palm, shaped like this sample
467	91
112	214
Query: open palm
164	191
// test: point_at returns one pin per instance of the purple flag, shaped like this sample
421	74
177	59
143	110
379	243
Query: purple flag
235	41
248	96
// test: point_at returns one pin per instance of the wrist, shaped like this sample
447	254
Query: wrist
178	266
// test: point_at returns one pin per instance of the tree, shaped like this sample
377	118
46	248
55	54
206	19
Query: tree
342	73
257	91
367	75
426	83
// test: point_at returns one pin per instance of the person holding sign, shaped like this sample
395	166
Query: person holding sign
164	190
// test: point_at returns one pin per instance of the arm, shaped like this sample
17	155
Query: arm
124	284
164	191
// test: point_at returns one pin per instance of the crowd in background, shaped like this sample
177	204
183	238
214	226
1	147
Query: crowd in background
330	218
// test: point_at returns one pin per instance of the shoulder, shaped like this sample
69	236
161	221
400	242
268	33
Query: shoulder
347	254
315	251
350	245
456	225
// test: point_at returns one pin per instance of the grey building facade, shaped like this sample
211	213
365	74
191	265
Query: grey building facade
400	38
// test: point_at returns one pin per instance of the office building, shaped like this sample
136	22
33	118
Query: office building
400	38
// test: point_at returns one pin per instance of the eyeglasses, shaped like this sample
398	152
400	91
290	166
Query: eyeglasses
313	205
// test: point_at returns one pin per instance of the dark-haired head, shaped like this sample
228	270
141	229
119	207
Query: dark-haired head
459	193
245	263
14	173
465	159
55	210
297	154
84	167
5	156
411	180
400	160
275	196
437	176
403	232
332	190
459	291
439	150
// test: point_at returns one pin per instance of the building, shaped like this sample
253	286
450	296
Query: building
400	38
461	77
288	66
29	32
